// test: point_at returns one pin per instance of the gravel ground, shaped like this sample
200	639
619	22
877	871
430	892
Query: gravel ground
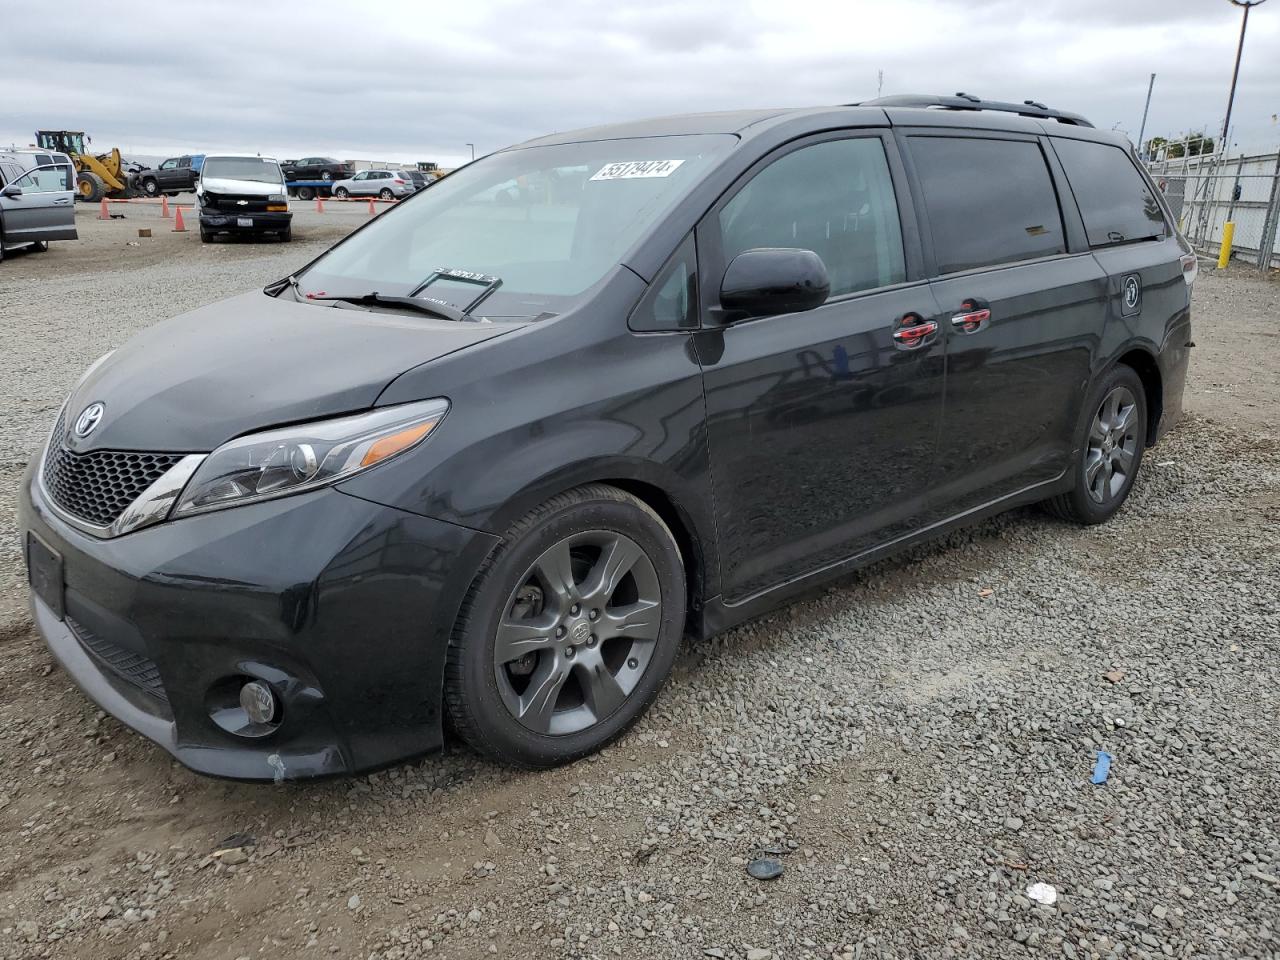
916	743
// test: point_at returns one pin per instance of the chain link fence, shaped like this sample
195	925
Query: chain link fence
1208	190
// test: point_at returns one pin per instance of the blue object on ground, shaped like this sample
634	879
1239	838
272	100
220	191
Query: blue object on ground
1102	767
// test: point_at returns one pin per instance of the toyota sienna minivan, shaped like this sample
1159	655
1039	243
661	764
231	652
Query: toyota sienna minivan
487	460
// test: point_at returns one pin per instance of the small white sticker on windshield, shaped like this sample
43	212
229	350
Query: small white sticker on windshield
633	169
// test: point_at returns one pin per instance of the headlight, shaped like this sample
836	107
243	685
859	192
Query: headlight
281	462
277	198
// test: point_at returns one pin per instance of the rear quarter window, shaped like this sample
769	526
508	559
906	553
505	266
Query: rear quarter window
1115	202
988	201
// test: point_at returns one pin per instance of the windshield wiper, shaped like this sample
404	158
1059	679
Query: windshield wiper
277	287
442	310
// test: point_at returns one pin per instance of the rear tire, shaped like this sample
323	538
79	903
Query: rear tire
206	236
385	194
40	246
89	187
1112	440
569	630
286	234
306	193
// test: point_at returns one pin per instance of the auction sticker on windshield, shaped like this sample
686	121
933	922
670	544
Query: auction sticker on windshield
633	169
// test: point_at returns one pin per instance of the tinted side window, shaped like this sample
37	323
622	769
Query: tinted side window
988	201
670	302
1115	202
834	198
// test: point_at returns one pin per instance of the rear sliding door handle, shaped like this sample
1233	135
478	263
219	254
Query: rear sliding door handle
972	321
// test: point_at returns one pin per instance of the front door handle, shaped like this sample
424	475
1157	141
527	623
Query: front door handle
915	331
971	321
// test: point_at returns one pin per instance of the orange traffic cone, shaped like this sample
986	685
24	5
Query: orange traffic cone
372	212
164	205
319	204
103	213
178	225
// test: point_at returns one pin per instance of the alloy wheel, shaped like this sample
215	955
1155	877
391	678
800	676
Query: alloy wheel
1113	446
578	632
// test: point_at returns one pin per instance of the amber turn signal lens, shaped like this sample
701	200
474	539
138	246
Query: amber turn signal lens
389	446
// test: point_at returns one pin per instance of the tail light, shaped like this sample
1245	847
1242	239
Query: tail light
1190	268
398	180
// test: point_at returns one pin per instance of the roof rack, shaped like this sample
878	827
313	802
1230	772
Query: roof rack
966	101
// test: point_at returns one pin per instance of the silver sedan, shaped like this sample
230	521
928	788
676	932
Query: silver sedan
387	184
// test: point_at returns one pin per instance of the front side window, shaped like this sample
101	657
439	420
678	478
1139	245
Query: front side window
242	168
51	179
1114	200
548	221
988	201
835	198
168	164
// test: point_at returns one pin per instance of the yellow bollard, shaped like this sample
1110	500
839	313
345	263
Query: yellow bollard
1224	252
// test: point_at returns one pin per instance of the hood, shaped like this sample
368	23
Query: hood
251	362
250	188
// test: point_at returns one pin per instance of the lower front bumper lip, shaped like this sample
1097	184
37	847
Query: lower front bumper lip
251	763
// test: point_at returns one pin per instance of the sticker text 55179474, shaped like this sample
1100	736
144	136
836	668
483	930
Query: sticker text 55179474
634	169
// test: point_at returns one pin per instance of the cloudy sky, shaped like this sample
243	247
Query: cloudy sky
419	81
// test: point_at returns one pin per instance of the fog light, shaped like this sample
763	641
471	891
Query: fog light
258	701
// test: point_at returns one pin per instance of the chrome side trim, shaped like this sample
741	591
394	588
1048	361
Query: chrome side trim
152	505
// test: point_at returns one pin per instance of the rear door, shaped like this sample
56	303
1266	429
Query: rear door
1022	310
43	209
821	425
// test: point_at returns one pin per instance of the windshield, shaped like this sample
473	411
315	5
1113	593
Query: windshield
258	169
550	222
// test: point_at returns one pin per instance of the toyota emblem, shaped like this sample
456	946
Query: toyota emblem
89	419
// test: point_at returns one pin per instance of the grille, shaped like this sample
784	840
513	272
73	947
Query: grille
97	487
130	667
230	203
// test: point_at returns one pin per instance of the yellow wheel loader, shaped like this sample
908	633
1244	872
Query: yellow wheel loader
97	176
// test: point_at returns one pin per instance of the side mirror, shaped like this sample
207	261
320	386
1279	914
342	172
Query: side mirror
11	191
768	281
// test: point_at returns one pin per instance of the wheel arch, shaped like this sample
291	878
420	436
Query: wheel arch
1145	365
651	485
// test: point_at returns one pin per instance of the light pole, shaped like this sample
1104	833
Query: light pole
473	146
1231	99
1142	131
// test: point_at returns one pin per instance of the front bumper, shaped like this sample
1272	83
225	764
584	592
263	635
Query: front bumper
257	221
343	606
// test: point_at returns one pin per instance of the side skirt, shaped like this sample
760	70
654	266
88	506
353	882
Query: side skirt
718	616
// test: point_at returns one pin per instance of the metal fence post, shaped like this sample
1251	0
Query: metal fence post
1267	245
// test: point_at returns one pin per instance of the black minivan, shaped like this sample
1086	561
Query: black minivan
488	459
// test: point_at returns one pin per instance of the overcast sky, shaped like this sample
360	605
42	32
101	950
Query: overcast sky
418	81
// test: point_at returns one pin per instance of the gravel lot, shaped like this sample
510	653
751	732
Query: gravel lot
918	739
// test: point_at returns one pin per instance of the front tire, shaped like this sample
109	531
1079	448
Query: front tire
89	187
568	632
150	188
1114	438
341	193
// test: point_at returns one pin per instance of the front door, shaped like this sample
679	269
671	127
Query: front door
1022	309
39	205
821	425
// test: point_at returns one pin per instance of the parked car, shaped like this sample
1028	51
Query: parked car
420	180
173	176
387	184
495	453
37	204
245	195
317	168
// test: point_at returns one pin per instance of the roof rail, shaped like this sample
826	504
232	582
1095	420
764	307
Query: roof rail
966	101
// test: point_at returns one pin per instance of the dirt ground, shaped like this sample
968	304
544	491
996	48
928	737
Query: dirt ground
857	730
